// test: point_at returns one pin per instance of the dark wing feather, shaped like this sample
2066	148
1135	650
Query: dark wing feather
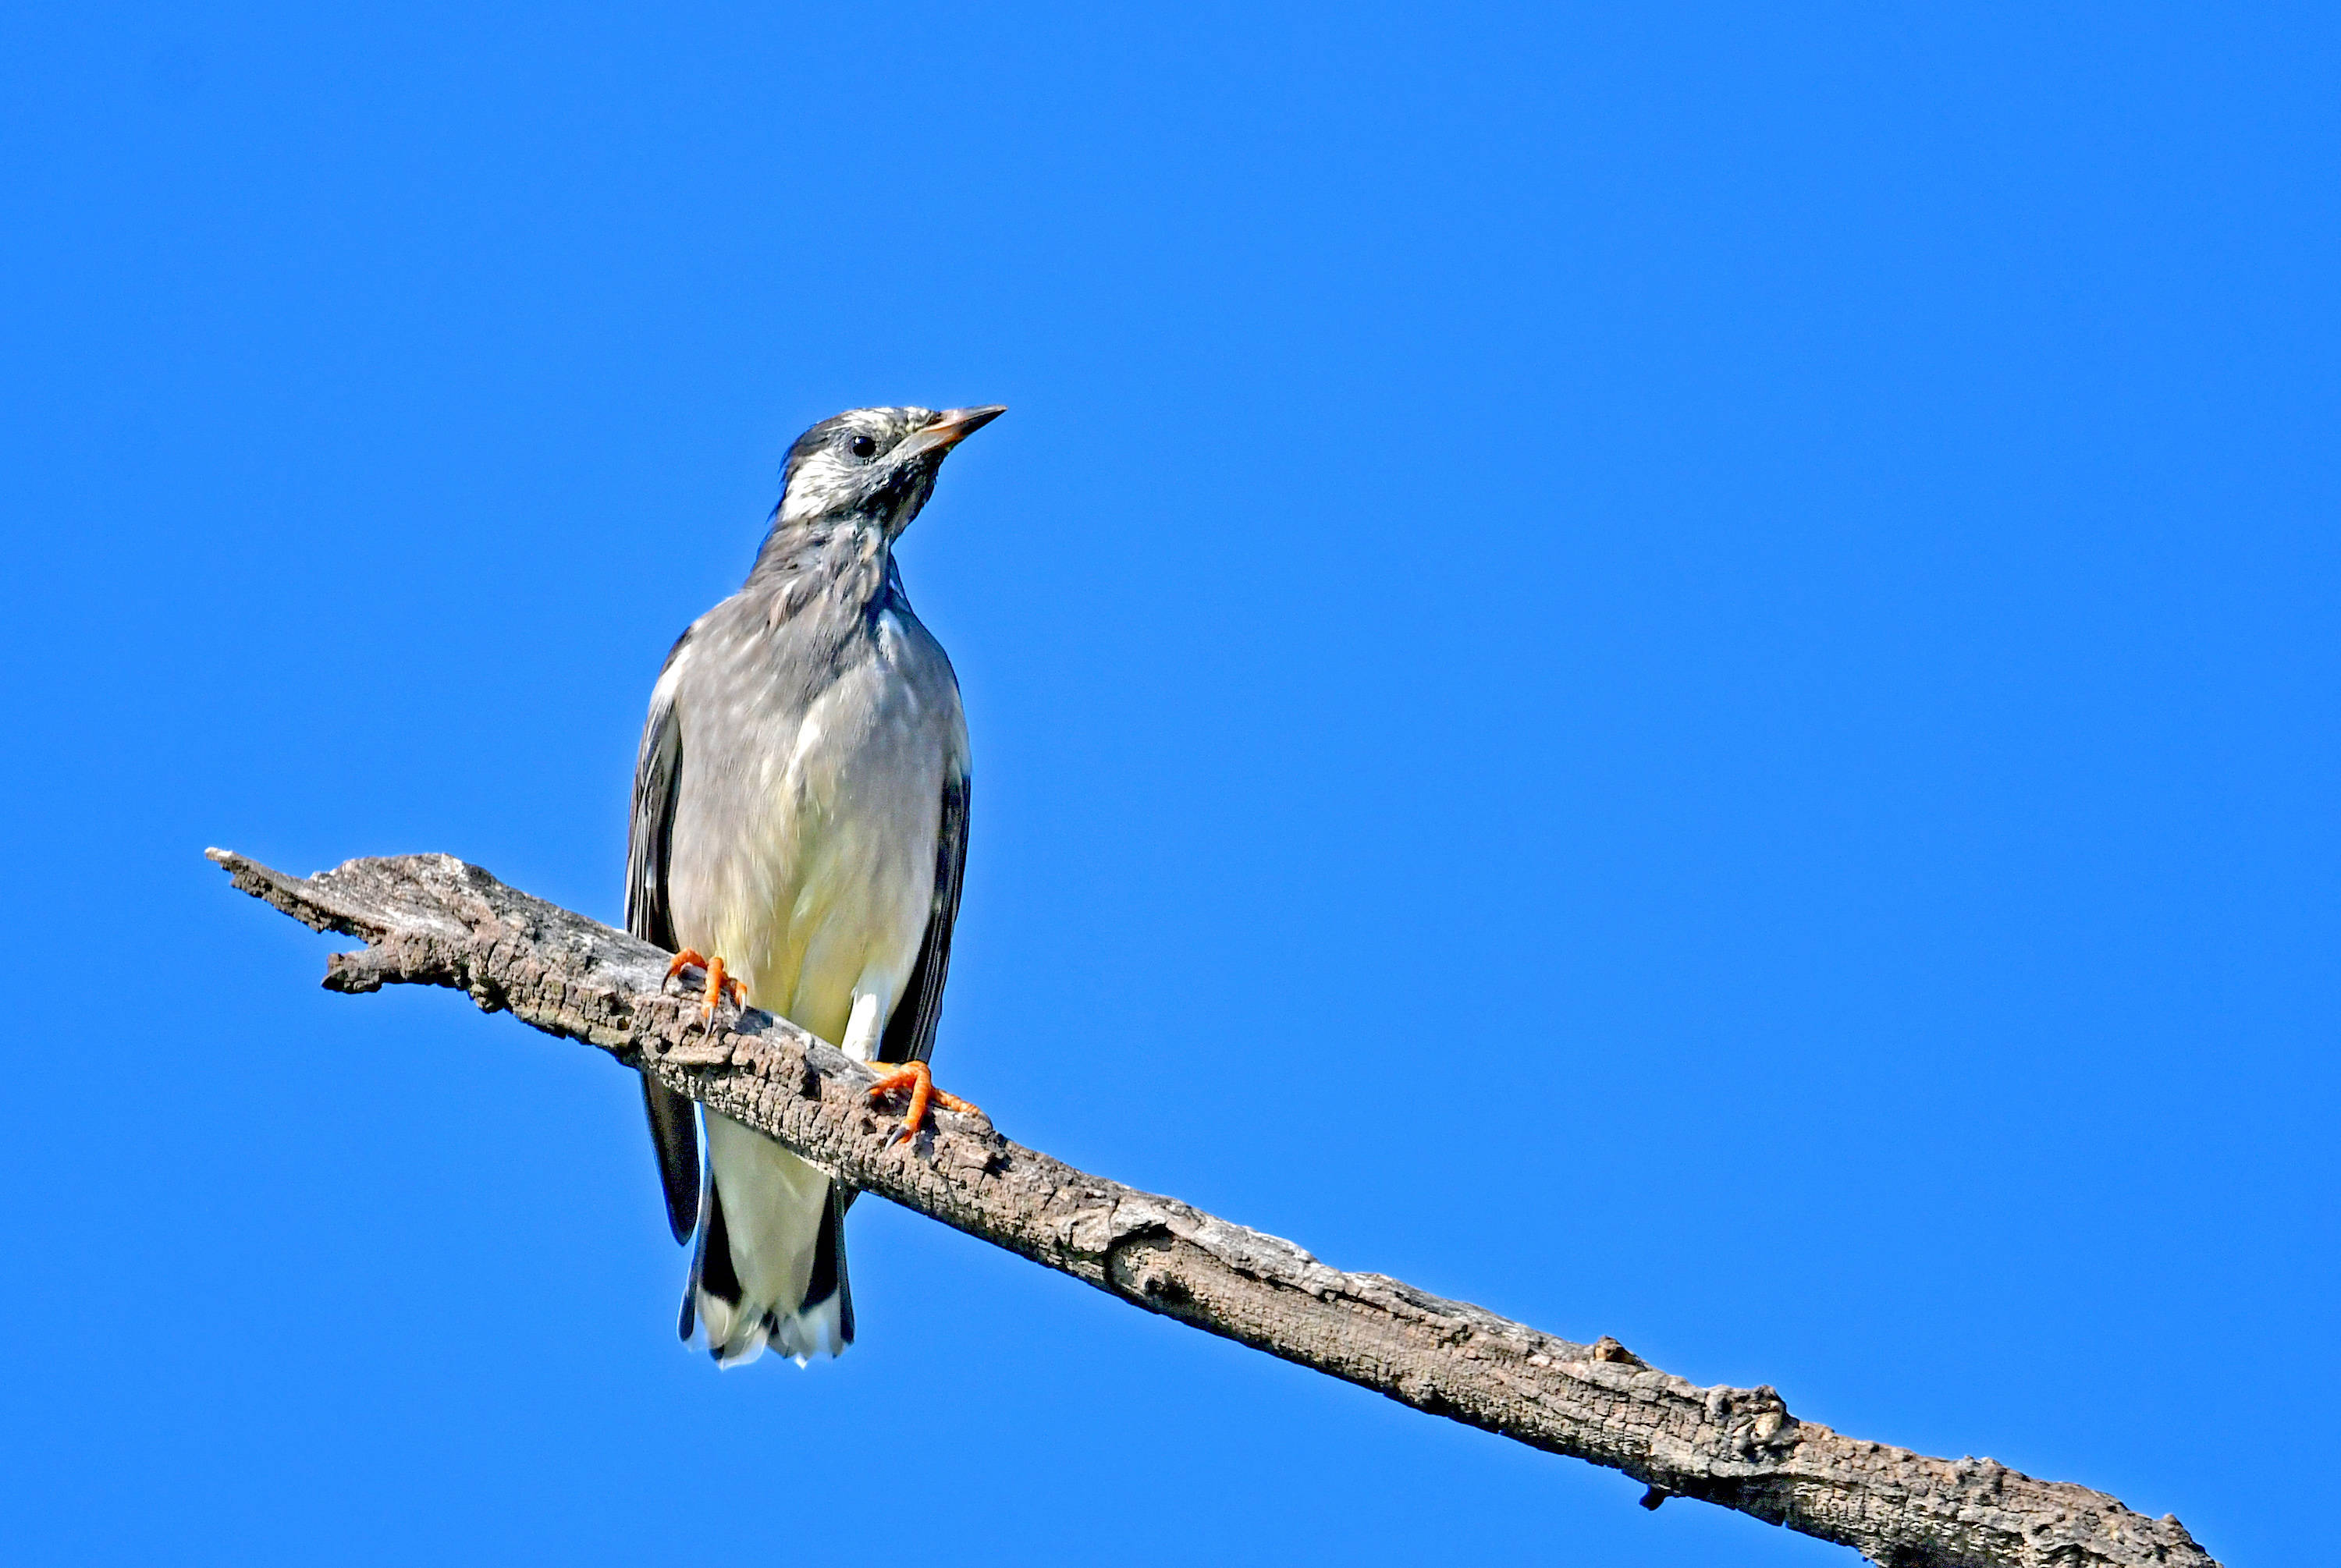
910	1033
658	768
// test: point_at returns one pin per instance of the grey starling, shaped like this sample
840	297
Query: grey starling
800	828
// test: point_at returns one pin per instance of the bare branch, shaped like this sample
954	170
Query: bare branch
430	919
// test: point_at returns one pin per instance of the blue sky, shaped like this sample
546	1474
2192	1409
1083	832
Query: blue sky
1670	667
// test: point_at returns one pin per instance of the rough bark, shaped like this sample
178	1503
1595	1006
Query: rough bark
432	920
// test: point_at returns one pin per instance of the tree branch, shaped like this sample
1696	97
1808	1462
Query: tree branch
430	919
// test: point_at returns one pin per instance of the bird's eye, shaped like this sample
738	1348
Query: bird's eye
863	447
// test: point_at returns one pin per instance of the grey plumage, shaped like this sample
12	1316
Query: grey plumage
801	809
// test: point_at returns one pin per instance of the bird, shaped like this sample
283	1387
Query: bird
798	832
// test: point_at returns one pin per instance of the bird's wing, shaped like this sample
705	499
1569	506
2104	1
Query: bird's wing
658	768
910	1033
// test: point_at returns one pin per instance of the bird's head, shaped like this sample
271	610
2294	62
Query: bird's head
878	464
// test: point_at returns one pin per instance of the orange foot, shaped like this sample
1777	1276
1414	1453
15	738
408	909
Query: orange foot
893	1076
718	982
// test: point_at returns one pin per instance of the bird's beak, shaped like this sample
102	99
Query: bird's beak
951	427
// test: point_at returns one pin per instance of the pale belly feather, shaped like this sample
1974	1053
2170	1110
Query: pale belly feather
826	896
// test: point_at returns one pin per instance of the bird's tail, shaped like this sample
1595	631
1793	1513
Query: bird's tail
771	1264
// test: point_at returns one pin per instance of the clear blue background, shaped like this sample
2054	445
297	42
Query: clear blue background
1669	667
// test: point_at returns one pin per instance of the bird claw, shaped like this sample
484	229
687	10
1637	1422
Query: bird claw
718	983
916	1078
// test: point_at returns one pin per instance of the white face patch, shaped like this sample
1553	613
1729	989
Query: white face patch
822	483
832	476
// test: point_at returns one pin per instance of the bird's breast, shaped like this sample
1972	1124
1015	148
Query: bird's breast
805	832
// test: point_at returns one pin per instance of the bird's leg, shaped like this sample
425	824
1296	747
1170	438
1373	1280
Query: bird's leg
862	1029
920	1082
718	982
